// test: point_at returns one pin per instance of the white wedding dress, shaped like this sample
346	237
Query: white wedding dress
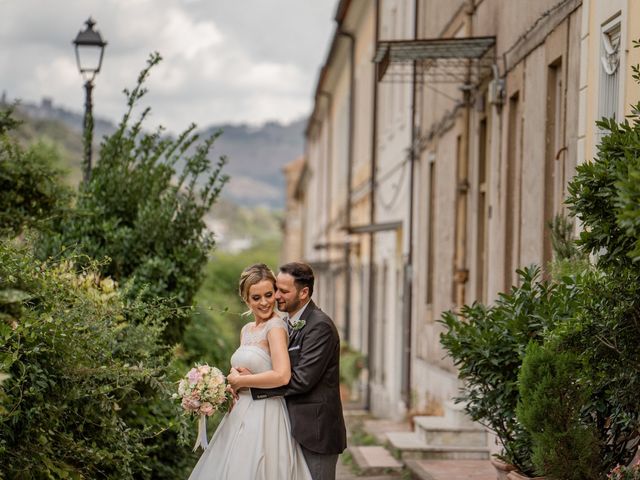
253	441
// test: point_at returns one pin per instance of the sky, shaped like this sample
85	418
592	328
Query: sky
224	61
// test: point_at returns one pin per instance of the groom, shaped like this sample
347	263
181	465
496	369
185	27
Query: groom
312	394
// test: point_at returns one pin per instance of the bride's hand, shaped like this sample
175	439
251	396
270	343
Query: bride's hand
232	380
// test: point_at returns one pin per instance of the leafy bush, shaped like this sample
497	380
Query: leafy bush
604	334
550	408
143	216
604	196
80	356
488	344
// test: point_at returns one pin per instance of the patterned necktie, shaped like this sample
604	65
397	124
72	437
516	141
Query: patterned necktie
289	327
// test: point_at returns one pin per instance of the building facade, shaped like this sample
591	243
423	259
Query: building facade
442	141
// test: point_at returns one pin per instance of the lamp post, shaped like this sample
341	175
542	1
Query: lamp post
89	48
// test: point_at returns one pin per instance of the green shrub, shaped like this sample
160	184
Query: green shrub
143	209
81	357
488	343
552	397
604	196
604	334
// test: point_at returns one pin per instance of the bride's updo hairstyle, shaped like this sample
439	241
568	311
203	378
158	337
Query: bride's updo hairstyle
252	275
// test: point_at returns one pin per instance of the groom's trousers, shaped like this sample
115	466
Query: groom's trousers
322	467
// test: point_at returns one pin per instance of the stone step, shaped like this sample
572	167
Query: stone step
434	430
374	460
409	445
451	470
455	414
379	428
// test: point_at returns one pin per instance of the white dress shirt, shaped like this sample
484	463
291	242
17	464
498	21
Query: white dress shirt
298	314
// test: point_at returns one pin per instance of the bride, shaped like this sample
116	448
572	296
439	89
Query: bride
254	440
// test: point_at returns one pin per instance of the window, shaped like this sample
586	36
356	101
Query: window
460	272
482	212
512	213
609	85
553	176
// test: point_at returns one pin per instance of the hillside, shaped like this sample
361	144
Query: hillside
256	157
256	154
249	212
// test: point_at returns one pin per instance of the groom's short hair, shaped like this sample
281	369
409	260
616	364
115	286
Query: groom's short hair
302	275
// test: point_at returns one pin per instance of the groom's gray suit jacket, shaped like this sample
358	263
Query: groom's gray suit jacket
313	393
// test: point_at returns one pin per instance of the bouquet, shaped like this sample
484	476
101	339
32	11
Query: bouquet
202	392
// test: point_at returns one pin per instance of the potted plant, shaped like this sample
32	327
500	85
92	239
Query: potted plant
502	468
351	365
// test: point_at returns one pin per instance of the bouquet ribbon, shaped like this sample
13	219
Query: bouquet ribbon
201	440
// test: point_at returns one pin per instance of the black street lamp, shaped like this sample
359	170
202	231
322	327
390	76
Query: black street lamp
89	51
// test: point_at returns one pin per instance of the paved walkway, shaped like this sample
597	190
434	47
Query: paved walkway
359	422
355	417
344	473
453	469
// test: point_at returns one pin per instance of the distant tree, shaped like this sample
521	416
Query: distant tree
31	188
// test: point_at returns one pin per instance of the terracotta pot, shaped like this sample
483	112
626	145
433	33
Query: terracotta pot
502	468
515	475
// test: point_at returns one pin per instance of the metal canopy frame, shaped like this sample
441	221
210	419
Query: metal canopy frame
439	60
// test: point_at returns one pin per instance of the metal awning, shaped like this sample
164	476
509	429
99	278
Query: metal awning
439	60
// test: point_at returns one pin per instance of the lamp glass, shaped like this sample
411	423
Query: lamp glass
89	58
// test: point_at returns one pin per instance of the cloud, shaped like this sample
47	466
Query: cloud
239	61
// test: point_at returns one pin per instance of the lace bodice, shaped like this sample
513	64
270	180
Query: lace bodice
257	336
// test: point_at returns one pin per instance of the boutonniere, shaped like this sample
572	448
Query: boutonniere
298	324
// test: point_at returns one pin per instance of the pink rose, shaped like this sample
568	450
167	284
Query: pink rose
194	376
190	404
206	409
204	369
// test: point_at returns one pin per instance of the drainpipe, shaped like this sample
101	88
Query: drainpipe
327	163
408	299
328	153
463	272
372	220
303	230
347	244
